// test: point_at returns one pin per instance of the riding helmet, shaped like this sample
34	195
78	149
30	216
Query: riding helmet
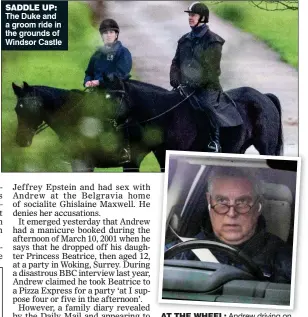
201	9
109	24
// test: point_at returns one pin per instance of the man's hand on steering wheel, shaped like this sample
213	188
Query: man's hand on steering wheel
234	253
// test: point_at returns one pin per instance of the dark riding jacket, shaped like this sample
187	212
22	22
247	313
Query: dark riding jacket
197	60
196	64
269	252
114	60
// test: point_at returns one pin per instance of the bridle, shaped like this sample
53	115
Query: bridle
41	128
45	125
181	91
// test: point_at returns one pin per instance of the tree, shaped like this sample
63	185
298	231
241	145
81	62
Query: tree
98	9
272	5
276	5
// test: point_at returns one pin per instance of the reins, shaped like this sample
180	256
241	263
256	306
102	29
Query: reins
41	128
125	125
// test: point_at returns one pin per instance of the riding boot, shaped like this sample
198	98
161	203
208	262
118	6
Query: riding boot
214	145
125	155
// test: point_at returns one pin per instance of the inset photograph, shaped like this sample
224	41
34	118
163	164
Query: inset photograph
230	229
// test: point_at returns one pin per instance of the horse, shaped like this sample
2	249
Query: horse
83	121
184	128
160	120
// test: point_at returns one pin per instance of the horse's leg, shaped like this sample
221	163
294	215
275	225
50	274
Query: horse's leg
236	139
84	162
279	137
131	167
266	138
265	122
264	145
138	153
81	166
160	154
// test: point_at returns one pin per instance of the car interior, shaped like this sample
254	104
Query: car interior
186	211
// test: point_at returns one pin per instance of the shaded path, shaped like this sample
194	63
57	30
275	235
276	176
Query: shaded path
150	29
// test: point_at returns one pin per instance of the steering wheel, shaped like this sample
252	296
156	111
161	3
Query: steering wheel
234	253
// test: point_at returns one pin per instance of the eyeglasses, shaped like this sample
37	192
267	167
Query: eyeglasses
240	207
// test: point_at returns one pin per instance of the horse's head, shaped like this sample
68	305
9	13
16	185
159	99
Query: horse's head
117	91
113	82
29	113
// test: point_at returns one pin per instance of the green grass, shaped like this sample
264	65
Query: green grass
62	69
279	29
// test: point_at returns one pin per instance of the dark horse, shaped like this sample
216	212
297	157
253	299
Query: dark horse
168	112
83	122
160	120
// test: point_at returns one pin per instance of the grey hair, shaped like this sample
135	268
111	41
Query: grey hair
236	172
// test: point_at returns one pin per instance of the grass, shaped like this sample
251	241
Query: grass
62	69
279	29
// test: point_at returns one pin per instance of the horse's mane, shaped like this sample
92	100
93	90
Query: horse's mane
147	86
50	90
54	97
151	100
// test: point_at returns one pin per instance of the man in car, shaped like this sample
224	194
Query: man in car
235	208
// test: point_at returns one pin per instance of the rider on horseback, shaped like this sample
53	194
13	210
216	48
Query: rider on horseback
111	60
196	67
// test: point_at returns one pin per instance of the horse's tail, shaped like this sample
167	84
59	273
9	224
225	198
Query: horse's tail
275	100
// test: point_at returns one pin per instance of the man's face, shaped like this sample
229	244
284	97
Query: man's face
233	228
193	19
109	36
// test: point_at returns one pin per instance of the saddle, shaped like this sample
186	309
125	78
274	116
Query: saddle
227	111
224	108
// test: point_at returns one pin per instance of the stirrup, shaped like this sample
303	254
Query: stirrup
214	147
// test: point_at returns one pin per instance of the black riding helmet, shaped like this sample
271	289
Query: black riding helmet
201	9
109	24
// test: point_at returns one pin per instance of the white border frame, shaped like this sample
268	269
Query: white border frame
296	211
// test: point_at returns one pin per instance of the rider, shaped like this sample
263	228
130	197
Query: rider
196	66
111	60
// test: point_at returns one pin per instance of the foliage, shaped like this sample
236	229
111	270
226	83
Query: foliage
271	5
279	29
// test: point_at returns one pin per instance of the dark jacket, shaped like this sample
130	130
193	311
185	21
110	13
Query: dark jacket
109	61
197	60
269	252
